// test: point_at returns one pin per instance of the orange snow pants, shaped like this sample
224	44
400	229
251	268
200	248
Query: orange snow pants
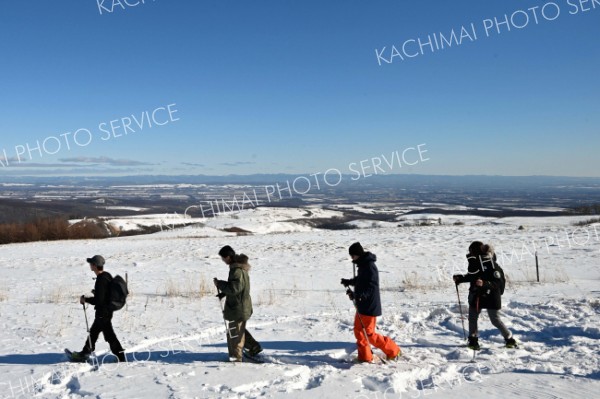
386	344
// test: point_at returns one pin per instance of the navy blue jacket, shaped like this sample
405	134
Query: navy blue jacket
366	286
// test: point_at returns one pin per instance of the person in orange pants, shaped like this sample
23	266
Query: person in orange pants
386	344
368	306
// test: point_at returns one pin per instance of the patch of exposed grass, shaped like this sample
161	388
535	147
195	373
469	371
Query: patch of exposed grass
189	288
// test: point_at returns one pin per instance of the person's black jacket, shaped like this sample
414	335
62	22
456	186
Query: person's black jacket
489	296
366	286
100	299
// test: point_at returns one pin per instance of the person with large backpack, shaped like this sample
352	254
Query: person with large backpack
487	283
108	297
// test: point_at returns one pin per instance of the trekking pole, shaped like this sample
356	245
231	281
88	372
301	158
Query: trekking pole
227	329
462	318
87	326
537	267
221	303
358	314
363	327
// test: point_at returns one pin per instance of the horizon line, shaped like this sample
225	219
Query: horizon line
233	175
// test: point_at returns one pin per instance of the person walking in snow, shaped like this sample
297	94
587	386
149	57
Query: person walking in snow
238	305
368	306
487	282
103	319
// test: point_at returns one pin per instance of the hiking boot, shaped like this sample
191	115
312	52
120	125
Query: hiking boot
121	357
473	343
394	358
79	356
510	342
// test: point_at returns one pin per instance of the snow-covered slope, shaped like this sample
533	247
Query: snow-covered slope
173	330
256	221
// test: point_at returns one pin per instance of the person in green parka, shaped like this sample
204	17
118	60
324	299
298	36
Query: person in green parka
238	305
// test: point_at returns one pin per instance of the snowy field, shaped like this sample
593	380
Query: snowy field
174	334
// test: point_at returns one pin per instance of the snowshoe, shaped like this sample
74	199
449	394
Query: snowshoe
394	358
355	360
254	359
77	357
254	351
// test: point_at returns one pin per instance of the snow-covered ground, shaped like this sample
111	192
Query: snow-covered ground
174	333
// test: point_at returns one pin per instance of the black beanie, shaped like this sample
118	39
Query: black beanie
226	251
475	248
356	249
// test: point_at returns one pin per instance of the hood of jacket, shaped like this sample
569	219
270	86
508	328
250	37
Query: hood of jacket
240	261
366	258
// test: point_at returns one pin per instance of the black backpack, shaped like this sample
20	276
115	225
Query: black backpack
117	293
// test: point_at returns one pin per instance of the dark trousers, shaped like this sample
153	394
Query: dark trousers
494	318
104	325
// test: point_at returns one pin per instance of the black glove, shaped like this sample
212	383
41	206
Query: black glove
221	295
346	282
483	290
458	278
350	294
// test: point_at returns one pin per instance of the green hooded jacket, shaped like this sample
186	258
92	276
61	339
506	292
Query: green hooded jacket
238	303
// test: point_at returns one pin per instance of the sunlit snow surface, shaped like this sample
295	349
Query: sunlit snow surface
176	339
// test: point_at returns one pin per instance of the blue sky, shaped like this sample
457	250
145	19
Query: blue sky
295	86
